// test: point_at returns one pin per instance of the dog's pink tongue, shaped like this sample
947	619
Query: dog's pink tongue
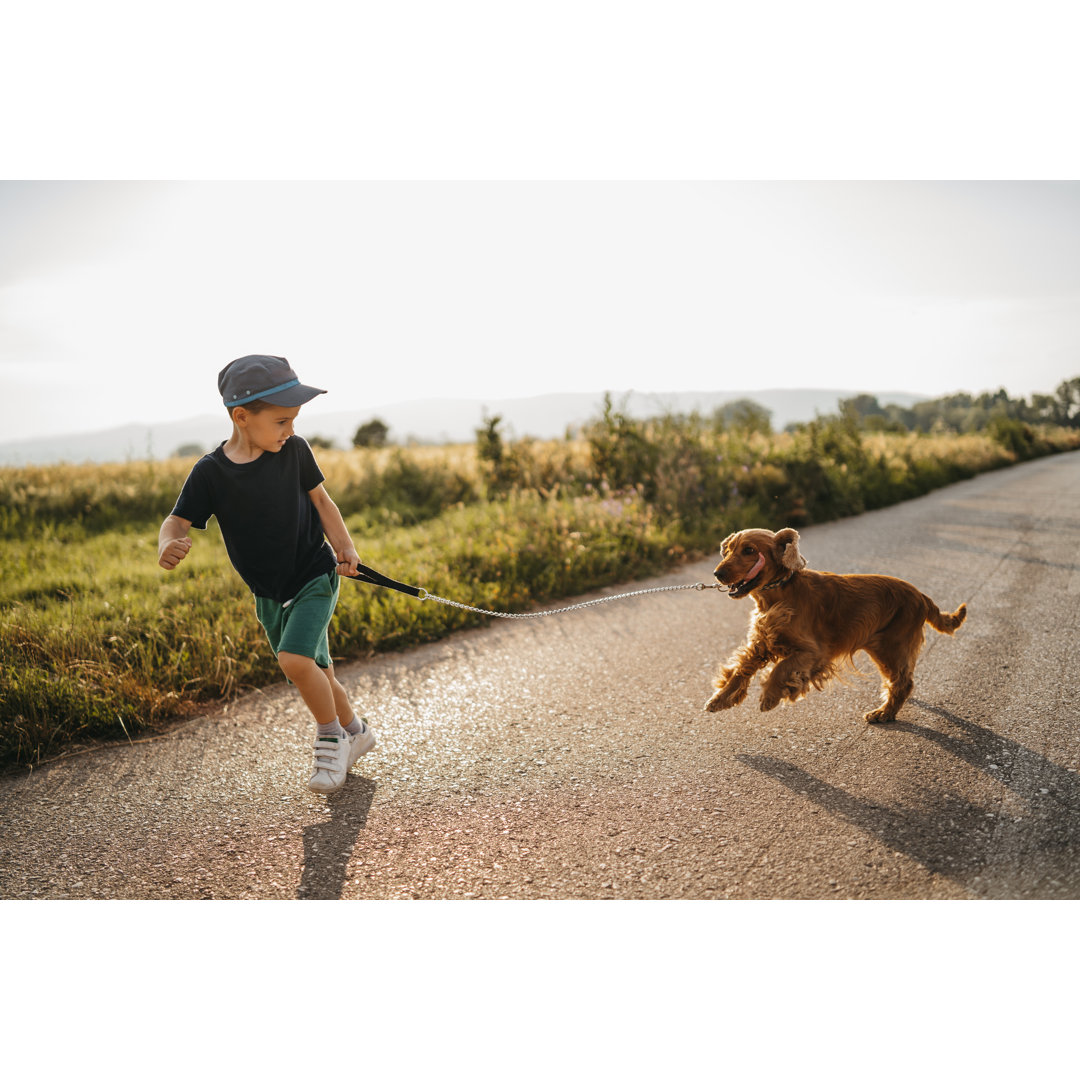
753	573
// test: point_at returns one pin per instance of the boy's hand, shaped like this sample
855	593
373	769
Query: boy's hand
171	553
347	562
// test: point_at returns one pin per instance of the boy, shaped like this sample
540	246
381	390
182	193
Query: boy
266	491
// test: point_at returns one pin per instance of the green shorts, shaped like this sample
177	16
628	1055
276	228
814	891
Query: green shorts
300	625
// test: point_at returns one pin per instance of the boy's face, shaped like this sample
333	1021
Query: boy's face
269	428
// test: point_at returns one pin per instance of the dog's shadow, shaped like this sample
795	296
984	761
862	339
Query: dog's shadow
329	845
990	854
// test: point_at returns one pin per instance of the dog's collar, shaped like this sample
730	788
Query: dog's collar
777	584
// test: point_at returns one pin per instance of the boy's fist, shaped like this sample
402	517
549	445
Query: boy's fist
170	555
347	562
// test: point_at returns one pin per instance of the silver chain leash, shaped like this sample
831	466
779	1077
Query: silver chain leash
425	595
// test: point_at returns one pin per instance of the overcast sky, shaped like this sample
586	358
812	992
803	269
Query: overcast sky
120	301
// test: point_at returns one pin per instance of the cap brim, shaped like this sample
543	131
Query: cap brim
295	395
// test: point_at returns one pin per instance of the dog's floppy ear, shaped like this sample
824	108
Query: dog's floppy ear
788	541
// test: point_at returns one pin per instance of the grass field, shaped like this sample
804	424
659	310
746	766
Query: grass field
97	642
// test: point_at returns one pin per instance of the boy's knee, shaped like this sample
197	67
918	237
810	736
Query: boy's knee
293	664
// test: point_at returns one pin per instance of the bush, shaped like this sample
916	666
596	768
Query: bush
624	457
1016	436
372	434
403	490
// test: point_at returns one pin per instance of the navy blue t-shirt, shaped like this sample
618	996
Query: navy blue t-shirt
271	528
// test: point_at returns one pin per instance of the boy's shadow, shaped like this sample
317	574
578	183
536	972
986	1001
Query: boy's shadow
1033	853
329	845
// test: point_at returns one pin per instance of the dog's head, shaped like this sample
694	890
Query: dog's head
754	558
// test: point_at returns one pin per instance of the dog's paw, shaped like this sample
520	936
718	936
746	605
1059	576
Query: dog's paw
879	716
771	696
726	697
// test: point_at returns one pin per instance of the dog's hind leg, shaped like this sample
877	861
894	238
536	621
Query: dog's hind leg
896	686
791	679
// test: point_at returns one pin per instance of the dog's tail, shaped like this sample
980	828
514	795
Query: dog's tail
942	623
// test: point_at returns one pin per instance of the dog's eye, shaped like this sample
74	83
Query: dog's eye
748	550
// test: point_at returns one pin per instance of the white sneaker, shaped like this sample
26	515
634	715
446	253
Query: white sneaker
361	742
331	762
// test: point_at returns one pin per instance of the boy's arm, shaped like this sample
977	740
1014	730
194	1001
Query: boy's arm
335	531
173	542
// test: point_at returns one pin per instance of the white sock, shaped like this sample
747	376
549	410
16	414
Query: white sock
330	731
355	727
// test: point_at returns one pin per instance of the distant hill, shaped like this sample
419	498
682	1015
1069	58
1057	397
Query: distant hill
431	420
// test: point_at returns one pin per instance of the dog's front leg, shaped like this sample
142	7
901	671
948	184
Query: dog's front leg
790	679
733	679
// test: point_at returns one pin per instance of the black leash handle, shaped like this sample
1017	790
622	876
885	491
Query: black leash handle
373	577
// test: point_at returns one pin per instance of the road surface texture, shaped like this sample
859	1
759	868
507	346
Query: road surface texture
569	756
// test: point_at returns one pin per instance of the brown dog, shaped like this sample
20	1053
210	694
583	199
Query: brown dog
808	623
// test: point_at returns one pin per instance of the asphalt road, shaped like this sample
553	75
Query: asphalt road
569	757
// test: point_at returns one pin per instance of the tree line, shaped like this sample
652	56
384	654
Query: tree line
961	413
965	413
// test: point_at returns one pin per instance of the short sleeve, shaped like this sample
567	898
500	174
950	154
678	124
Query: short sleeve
311	475
194	503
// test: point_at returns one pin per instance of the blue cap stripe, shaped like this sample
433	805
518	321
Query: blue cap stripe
262	393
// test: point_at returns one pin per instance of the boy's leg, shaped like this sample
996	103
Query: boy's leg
363	738
333	750
297	632
313	681
335	753
314	686
341	698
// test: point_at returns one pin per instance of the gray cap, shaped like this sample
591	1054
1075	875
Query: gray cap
269	378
